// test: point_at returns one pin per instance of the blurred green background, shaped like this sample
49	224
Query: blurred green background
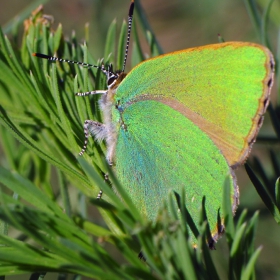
179	24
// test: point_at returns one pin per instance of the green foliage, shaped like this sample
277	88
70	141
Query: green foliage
42	134
69	244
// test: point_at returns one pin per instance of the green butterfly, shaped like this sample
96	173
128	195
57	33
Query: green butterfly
186	119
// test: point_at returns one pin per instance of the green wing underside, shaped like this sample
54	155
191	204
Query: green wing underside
222	83
161	150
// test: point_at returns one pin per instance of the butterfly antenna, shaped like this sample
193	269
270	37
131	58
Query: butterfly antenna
53	58
130	16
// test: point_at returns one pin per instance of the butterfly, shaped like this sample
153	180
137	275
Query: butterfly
186	119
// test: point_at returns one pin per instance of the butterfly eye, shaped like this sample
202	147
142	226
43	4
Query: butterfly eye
111	80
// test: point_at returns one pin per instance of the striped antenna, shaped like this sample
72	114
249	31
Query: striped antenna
53	58
102	68
130	16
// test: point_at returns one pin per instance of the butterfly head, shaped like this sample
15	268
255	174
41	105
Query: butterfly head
113	78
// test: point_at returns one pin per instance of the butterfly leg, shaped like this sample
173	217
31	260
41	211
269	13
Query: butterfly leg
99	194
94	128
93	92
106	179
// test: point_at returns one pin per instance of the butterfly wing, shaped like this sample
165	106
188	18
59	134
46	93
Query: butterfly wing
161	150
222	88
186	119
